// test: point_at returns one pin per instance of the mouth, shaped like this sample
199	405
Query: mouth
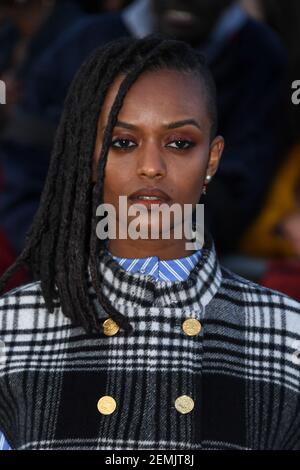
149	196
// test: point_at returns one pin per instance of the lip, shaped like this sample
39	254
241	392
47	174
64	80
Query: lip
161	195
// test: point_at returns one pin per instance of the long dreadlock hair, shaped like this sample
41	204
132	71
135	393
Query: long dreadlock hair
62	240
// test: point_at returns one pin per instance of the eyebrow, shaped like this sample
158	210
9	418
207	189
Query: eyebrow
171	125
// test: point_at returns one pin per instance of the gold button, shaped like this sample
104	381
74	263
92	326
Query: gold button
184	404
110	327
191	326
106	405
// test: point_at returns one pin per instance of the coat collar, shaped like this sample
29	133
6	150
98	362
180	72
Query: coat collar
128	292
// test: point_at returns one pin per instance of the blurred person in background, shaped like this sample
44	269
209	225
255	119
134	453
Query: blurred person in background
27	29
248	63
274	235
36	24
284	18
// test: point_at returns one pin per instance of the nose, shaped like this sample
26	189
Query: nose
151	162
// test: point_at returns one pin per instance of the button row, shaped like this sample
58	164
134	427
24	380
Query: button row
190	326
107	404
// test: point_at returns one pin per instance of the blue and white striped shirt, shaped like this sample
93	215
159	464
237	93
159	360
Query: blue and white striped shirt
164	270
161	270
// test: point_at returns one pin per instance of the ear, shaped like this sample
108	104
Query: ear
215	153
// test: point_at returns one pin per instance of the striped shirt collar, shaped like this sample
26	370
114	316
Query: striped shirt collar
161	270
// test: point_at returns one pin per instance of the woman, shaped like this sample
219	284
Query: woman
103	351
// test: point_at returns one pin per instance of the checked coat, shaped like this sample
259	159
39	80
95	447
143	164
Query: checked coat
241	371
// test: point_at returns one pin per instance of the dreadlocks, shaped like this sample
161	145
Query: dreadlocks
62	242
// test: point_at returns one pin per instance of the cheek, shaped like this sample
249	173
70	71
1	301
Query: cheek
116	181
188	179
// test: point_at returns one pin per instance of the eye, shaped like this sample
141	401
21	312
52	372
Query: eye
181	144
123	144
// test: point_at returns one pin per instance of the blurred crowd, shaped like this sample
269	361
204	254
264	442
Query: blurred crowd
253	202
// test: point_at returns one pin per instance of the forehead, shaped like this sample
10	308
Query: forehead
162	94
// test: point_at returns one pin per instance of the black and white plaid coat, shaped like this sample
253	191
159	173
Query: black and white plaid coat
242	370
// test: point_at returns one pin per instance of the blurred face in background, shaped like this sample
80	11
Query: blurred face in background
191	21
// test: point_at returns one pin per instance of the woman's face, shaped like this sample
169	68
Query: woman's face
161	139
